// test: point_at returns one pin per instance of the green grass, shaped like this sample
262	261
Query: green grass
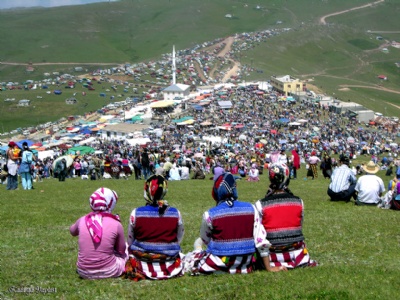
357	247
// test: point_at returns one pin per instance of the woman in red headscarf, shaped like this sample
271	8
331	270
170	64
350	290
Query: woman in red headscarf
102	248
154	235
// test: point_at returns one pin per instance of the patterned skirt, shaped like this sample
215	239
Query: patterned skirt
292	256
200	262
141	265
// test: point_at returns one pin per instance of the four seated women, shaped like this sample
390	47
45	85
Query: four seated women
236	237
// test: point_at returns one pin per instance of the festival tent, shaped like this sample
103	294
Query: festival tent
29	142
162	104
81	150
225	104
183	119
206	123
44	154
3	150
87	141
138	141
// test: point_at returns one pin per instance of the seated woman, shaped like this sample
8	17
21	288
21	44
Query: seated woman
253	173
154	235
282	216
231	231
102	248
174	173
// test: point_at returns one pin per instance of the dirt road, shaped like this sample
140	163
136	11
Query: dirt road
322	20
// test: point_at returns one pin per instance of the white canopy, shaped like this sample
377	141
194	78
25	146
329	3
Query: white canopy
138	141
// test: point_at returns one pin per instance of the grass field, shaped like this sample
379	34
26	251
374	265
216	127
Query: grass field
356	247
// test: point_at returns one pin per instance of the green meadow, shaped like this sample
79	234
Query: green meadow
341	58
356	247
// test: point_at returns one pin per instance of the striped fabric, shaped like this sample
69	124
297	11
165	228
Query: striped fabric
291	258
159	269
201	262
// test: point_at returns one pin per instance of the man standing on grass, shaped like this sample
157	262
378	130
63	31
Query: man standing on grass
369	187
343	182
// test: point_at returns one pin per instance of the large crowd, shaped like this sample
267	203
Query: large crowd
252	138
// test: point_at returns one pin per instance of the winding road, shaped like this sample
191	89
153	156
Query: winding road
322	20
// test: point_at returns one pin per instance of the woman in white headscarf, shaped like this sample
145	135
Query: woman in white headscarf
102	248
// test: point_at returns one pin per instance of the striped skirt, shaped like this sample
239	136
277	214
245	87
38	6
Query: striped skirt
153	266
291	257
200	262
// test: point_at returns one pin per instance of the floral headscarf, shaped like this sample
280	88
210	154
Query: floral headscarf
102	203
155	189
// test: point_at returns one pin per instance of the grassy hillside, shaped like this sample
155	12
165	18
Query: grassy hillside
341	58
356	247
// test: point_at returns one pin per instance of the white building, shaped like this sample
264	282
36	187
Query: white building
176	91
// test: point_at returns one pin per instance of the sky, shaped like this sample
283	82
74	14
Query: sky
6	4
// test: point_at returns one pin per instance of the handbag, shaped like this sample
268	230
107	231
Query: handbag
5	168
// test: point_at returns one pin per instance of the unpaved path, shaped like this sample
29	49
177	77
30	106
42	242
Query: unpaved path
228	45
232	72
381	88
322	20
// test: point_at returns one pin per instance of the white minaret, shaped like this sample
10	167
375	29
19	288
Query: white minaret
173	66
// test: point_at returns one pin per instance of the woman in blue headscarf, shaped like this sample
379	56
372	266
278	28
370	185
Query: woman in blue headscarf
231	232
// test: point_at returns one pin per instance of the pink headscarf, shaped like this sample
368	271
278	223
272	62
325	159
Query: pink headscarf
102	202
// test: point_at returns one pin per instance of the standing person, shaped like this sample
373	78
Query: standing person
282	215
295	163
25	169
12	156
343	181
77	167
102	248
282	157
61	169
155	232
145	162
313	161
326	166
369	187
232	233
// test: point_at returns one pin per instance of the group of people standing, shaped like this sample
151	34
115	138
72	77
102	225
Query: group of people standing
19	162
235	236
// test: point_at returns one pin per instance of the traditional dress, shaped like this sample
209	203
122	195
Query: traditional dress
154	236
231	231
282	217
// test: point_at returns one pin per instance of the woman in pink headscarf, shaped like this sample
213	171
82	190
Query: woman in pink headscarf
102	248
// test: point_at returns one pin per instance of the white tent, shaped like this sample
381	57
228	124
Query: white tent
225	104
138	141
87	141
44	154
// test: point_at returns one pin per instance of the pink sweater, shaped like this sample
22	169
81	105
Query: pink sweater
104	259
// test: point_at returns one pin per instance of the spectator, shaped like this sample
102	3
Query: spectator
343	181
102	247
369	187
231	231
282	216
154	235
